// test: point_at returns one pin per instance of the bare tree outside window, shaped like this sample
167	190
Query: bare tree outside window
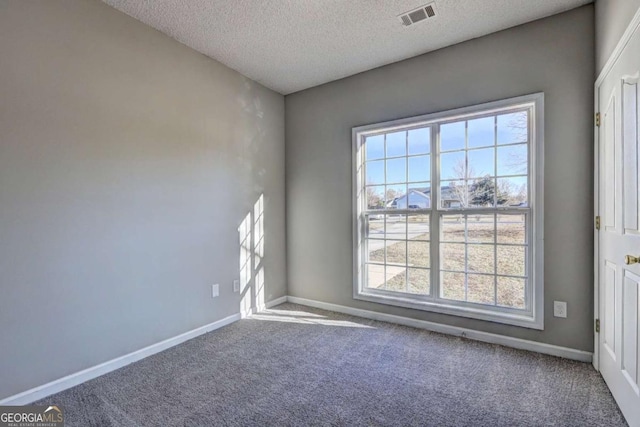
519	124
460	189
374	198
512	194
391	194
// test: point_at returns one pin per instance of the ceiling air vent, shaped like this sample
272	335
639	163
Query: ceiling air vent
416	15
431	12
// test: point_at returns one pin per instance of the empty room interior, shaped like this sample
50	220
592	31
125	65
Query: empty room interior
320	212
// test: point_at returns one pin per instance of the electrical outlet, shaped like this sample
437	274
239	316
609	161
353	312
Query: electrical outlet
236	285
560	309
215	290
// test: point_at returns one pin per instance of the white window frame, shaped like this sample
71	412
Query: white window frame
533	316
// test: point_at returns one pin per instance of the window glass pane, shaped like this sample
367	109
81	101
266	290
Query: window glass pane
375	197
374	172
452	286
419	281
481	132
414	199
454	195
511	260
396	278
452	227
418	254
511	229
480	228
395	194
481	162
419	196
481	259
512	160
480	289
375	276
420	168
511	292
374	147
420	141
397	170
482	192
396	252
396	227
512	191
418	227
478	260
452	136
375	250
452	256
375	226
397	144
452	165
512	128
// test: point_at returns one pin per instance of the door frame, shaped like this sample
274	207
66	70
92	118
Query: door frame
622	43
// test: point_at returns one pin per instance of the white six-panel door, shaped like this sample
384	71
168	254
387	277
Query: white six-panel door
619	236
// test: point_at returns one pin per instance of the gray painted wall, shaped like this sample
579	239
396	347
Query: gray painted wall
553	55
127	162
612	19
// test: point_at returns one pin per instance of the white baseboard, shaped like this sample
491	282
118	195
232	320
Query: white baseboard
265	306
538	347
72	380
275	302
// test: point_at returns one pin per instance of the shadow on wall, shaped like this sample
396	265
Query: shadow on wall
252	283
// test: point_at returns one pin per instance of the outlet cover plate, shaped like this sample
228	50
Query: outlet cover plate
560	309
215	290
236	285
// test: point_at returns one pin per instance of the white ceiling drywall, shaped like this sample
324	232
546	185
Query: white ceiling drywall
290	45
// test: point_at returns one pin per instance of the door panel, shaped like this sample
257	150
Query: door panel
630	147
609	315
610	182
630	329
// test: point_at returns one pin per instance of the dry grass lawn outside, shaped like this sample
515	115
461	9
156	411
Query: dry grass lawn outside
475	261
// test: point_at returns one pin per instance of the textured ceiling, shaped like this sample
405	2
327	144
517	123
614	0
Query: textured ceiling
290	45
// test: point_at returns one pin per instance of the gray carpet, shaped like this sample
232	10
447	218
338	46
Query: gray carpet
296	366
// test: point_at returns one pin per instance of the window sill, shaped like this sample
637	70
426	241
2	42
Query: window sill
522	320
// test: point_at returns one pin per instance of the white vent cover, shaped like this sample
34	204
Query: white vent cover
419	14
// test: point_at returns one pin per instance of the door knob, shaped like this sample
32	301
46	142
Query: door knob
629	259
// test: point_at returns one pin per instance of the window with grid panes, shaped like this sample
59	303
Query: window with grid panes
448	212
